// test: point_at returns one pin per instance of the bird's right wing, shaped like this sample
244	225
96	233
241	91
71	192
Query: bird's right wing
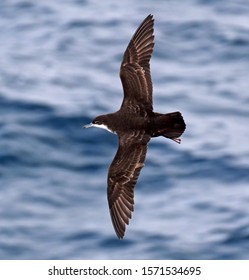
135	69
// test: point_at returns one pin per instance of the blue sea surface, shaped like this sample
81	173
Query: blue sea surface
59	68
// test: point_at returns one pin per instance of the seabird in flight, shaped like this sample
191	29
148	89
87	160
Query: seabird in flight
134	123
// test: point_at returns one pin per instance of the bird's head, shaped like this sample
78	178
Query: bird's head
95	122
100	122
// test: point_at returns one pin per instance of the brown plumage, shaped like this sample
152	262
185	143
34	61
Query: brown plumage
135	123
122	177
135	68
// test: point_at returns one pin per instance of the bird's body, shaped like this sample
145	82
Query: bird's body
134	123
155	124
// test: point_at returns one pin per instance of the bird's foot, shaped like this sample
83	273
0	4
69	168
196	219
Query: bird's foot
177	140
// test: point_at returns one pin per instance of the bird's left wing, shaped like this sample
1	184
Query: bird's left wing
122	177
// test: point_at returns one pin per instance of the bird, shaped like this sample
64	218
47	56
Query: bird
135	123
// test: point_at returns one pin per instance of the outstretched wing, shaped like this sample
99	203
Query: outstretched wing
135	69
122	178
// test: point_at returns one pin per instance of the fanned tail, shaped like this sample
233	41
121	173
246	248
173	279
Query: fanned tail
176	127
169	125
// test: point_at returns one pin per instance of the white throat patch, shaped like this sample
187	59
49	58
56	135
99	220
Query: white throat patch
103	127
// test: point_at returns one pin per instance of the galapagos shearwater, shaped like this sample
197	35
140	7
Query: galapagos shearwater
134	123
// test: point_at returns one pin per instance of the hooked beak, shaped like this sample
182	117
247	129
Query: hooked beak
88	125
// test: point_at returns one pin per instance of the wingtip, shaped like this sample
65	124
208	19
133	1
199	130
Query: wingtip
150	17
119	234
120	237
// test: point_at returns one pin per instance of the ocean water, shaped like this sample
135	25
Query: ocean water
59	65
